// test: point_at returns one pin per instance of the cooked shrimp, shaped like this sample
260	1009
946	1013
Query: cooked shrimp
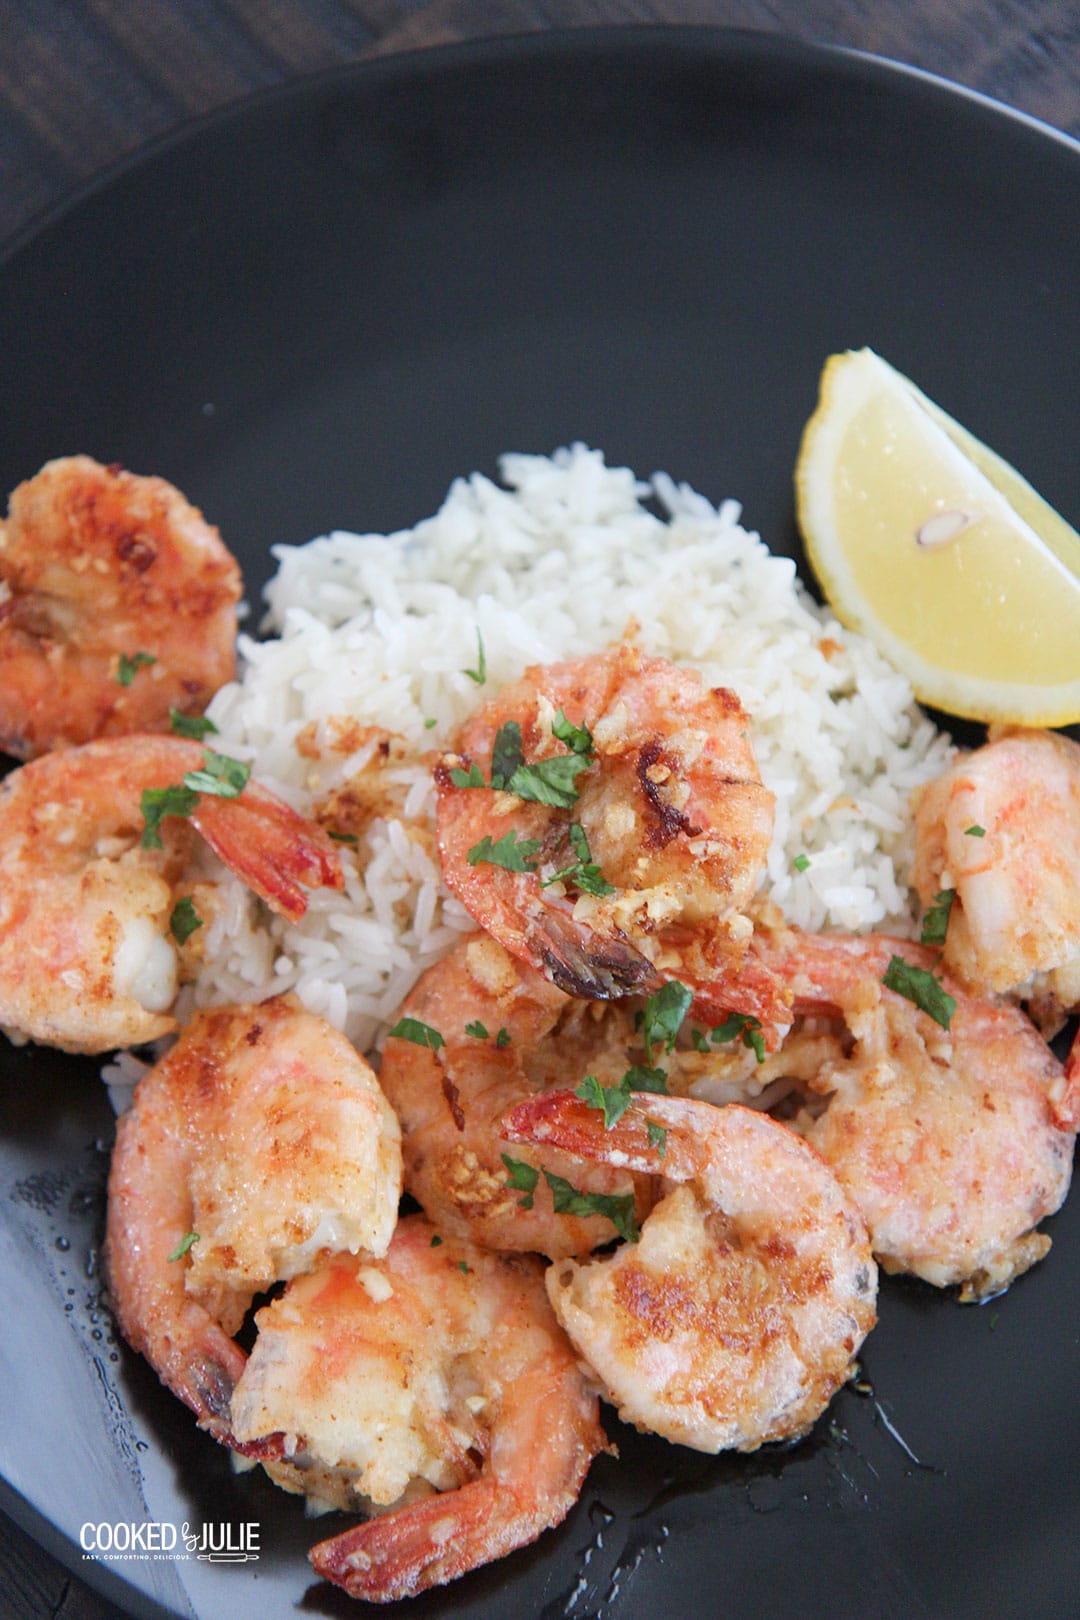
261	1141
955	1144
643	865
736	1316
86	958
1001	828
440	1368
506	1032
116	601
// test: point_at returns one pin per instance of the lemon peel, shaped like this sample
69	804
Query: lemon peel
935	548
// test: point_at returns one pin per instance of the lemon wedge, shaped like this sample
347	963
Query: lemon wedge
936	549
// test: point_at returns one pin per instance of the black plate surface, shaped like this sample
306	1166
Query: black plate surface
315	310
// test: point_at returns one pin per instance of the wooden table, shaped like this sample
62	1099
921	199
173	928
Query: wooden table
83	82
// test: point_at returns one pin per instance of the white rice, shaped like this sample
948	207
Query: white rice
556	564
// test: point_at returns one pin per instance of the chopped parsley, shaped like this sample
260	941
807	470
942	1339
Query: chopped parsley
523	1179
801	862
184	1245
577	738
617	1207
583	873
920	986
936	922
664	1012
503	1038
184	920
612	1101
698	1041
657	1137
412	1029
463	1267
506	753
194	726
430	723
473	777
436	1241
477	1030
641	1078
342	838
741	1026
157	803
506	852
975	831
479	674
218	775
551	781
127	668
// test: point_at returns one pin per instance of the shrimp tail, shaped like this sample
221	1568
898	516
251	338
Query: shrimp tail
559	1119
270	847
432	1541
585	964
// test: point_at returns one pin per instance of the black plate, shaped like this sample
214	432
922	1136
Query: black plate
315	310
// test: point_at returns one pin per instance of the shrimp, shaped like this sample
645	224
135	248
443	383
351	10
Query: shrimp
258	1143
1001	830
955	1144
501	1031
440	1368
116	601
637	823
737	1315
87	961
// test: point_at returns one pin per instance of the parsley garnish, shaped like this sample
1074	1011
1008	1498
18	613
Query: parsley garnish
936	922
502	1038
184	920
975	831
698	1041
801	862
184	1245
411	1029
463	1267
583	873
507	852
506	753
430	723
157	803
741	1026
195	726
920	986
219	775
473	777
551	781
479	674
640	1078
664	1013
523	1178
612	1101
435	1241
476	1029
342	838
128	667
657	1137
577	738
618	1207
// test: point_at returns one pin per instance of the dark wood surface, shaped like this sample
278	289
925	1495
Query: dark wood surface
84	82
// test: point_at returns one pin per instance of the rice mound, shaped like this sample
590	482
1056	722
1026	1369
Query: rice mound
562	561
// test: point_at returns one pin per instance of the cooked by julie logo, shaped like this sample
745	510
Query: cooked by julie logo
213	1543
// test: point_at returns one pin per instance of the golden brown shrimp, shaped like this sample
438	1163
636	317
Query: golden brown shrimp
955	1144
1001	830
501	1031
261	1141
735	1318
116	601
439	1368
640	856
87	961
